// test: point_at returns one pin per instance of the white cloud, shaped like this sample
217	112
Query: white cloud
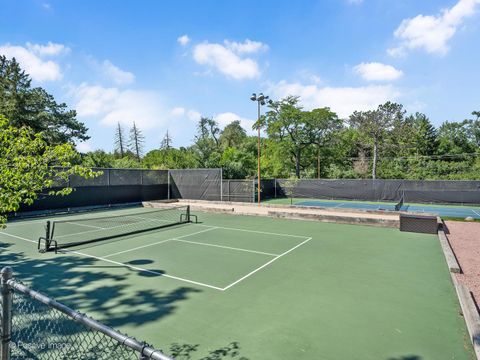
375	71
183	40
115	74
228	58
226	118
432	32
51	49
178	111
84	146
247	47
193	115
30	59
112	105
343	100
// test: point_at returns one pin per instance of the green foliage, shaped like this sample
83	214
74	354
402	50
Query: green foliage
233	135
298	131
457	137
35	108
28	165
237	164
99	159
170	159
206	146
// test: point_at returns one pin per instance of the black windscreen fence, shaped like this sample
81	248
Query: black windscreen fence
109	187
119	186
196	184
421	191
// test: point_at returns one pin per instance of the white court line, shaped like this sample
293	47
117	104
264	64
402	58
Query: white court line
254	231
475	212
144	270
265	265
158	242
225	247
126	265
18	237
91	226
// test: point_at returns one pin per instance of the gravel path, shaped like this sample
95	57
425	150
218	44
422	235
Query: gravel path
465	241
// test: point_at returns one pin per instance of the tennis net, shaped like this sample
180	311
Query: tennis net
399	206
73	232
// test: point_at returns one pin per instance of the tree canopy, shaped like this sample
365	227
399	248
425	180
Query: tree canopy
29	165
25	105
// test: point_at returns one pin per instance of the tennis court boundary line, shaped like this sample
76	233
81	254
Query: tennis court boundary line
144	270
123	264
265	265
254	231
158	242
137	268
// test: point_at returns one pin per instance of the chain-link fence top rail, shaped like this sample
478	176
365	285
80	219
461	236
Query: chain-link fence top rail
42	328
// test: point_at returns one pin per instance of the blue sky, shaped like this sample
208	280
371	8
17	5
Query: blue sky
165	63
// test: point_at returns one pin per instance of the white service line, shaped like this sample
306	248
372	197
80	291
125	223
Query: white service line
255	231
225	247
144	270
122	264
265	265
156	243
18	237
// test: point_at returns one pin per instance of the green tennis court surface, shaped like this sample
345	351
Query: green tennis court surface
281	289
450	211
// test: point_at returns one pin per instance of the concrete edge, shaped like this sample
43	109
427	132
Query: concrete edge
335	219
287	206
450	258
470	314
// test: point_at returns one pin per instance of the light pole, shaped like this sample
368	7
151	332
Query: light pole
261	100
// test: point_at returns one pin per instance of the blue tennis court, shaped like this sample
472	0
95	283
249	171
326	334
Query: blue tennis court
440	210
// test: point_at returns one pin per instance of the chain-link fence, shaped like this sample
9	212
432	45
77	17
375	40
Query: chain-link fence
34	326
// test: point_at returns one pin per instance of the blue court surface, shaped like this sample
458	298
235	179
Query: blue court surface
440	210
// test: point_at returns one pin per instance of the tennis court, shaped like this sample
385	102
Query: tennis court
449	211
278	288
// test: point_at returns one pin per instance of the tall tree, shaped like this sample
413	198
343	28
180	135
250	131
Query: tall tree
233	135
324	124
28	165
456	138
136	141
35	108
420	134
298	130
166	143
206	145
120	143
374	125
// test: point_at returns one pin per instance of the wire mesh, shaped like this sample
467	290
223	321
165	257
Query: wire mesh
45	329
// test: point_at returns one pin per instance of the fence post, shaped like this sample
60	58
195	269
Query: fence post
6	299
221	184
275	184
168	184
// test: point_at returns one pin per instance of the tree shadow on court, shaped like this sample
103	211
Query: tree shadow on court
187	352
406	357
84	284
